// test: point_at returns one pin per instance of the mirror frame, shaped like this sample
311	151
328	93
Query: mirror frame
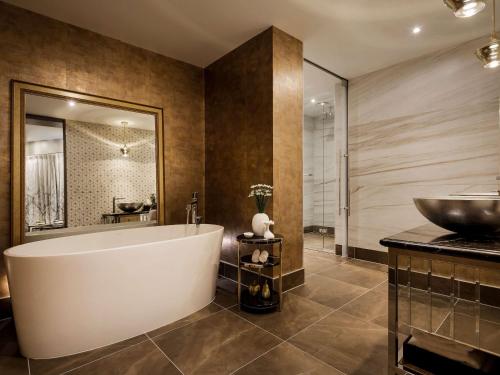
18	91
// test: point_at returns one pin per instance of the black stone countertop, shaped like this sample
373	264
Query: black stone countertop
433	239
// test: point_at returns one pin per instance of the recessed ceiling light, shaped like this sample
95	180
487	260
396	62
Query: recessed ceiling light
416	30
313	100
71	103
465	8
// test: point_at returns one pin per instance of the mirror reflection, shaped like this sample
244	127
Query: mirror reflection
87	165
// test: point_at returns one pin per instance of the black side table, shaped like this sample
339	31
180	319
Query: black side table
258	304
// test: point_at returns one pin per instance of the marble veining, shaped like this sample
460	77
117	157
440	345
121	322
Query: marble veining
429	126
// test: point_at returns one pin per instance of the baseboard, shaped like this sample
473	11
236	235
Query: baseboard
360	253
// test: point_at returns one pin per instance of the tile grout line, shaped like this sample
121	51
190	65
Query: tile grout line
283	341
105	356
335	310
165	354
274	347
259	356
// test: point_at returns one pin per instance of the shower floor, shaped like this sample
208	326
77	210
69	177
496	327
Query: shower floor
318	241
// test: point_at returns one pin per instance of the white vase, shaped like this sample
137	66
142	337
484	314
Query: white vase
258	226
268	235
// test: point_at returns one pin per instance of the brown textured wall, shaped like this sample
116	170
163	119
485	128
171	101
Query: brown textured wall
238	135
253	127
41	50
288	91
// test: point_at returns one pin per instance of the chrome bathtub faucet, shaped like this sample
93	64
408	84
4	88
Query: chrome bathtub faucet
192	210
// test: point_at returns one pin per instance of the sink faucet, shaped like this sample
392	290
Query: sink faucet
114	203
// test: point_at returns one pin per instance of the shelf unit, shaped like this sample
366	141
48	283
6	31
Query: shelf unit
258	304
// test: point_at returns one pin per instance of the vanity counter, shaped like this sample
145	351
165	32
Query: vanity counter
433	239
443	288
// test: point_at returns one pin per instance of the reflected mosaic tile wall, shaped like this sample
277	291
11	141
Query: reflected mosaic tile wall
96	171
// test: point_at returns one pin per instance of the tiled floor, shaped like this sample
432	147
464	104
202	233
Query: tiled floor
334	324
317	241
322	328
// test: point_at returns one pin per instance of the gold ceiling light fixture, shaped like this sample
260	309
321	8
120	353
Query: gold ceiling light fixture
124	149
489	54
465	8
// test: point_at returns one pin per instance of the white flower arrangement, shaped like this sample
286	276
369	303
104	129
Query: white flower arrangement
261	192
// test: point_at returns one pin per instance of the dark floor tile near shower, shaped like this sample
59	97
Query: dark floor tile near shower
286	359
63	364
315	264
328	291
296	314
141	359
356	275
203	313
219	344
347	343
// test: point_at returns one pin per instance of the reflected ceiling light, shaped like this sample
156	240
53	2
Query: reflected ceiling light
313	100
489	54
71	103
124	149
416	30
465	8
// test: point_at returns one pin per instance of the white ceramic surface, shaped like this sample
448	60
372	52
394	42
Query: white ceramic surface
78	293
258	225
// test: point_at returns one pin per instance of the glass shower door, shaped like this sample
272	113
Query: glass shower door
325	120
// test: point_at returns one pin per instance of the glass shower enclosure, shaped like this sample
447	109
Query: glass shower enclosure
325	160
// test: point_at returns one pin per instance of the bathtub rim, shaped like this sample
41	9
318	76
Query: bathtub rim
8	253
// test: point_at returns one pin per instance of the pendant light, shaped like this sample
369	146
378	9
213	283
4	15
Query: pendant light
489	54
465	8
124	149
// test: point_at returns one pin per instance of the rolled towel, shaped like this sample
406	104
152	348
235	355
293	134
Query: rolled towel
255	256
263	256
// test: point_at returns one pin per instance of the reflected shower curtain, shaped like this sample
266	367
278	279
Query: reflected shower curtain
44	189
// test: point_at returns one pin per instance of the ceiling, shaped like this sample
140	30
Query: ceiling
60	108
348	37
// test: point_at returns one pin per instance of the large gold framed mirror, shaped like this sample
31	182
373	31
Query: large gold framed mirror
82	163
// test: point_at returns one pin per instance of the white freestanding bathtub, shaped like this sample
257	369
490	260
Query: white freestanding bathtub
73	294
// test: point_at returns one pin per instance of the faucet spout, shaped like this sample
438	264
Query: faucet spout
193	208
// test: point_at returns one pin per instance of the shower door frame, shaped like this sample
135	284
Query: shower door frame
344	195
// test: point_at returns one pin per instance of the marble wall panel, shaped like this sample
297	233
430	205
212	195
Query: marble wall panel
41	50
429	126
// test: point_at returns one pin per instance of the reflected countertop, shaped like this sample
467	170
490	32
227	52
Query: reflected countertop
433	239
